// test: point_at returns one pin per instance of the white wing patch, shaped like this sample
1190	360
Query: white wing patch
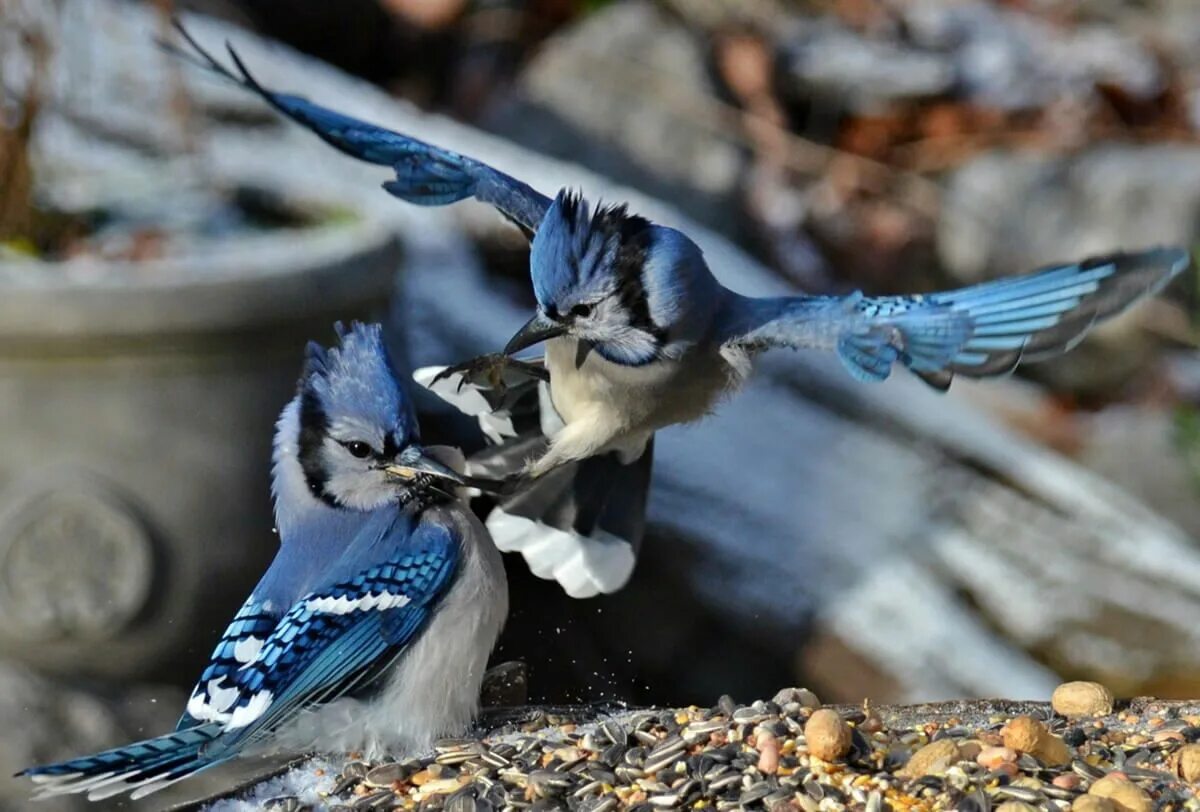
254	708
468	400
247	649
211	702
364	603
584	566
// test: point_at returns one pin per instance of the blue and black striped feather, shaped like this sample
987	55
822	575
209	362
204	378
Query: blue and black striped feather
978	331
314	653
310	657
425	175
253	620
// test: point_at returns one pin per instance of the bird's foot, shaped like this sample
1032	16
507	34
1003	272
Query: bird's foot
488	371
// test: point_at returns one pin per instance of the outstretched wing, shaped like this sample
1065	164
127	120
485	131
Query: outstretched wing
331	641
977	331
425	174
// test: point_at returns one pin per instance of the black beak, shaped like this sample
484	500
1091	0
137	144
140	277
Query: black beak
537	329
413	463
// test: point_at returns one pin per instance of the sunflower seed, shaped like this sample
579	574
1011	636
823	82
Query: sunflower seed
495	759
725	781
613	732
600	804
977	801
668	801
587	789
1027	794
386	774
675	744
1085	770
285	803
355	769
755	792
376	800
343	785
645	737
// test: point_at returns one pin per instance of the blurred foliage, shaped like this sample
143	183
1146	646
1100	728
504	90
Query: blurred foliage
19	114
1187	440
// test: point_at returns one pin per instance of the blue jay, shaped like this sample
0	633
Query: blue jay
372	627
640	335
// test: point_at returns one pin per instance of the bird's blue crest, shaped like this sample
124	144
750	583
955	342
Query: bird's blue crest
355	379
576	250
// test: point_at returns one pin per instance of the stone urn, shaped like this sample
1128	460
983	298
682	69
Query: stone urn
137	407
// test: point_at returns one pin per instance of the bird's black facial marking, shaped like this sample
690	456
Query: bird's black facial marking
314	426
633	247
582	349
390	447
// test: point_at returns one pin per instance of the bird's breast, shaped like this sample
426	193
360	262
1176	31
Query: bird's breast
646	397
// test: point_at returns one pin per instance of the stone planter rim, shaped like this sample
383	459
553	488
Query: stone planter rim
278	276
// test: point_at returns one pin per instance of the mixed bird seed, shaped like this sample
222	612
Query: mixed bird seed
790	754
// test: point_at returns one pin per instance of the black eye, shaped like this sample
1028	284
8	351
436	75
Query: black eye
358	449
581	311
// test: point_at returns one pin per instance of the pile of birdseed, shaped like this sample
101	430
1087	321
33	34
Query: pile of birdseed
789	753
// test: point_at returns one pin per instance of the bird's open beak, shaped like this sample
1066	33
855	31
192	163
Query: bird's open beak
537	329
414	462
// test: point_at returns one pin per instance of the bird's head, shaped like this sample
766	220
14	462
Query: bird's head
353	432
614	280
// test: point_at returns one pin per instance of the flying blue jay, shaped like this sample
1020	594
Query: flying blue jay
372	627
640	335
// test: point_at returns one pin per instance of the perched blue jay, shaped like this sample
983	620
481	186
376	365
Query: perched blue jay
640	335
372	627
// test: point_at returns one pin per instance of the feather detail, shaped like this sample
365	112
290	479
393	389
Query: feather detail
425	175
978	331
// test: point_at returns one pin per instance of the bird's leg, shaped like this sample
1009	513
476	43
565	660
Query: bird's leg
581	438
487	371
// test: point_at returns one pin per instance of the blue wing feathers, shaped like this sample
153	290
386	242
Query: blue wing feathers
330	641
978	331
425	175
251	621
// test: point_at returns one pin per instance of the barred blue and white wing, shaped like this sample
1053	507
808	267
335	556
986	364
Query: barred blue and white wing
337	639
331	642
978	331
241	643
425	175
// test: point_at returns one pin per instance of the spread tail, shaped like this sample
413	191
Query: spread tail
140	768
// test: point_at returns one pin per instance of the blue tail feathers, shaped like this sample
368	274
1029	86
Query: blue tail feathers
140	768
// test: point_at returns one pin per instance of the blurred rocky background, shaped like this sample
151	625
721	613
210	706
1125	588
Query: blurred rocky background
168	244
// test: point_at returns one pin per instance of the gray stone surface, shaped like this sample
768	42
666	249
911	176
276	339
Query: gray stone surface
44	720
1008	211
138	399
827	62
670	138
881	510
939	547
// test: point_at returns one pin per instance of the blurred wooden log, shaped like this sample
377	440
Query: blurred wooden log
939	551
950	554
